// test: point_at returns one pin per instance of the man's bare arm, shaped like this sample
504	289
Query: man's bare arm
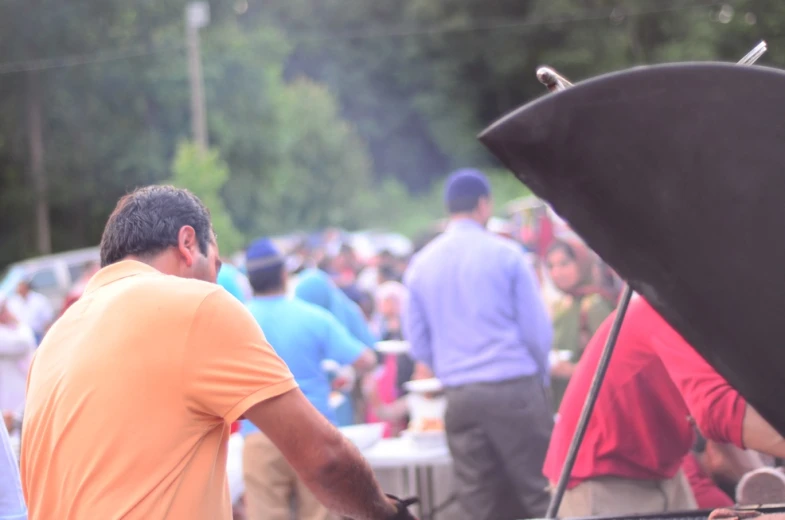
757	434
331	467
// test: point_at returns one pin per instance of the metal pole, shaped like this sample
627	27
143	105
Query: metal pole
588	406
196	18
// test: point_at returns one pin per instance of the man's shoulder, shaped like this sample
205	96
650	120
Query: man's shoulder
308	312
504	245
177	288
431	252
305	312
177	296
642	321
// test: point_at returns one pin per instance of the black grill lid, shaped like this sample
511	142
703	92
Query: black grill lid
675	175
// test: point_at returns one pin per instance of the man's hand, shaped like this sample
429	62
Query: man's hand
563	369
365	362
341	383
421	371
729	463
402	508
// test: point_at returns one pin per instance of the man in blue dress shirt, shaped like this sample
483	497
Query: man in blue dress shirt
475	317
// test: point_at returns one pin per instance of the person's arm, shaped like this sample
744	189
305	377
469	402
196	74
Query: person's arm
534	323
720	412
416	330
327	463
231	371
365	362
343	348
757	434
358	327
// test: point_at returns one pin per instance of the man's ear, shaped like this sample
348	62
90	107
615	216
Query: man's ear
187	244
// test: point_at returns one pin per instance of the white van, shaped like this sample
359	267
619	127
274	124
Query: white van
50	275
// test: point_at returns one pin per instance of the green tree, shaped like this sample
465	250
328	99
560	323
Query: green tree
415	80
204	173
324	167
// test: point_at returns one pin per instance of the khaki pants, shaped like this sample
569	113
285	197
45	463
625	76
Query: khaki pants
271	483
612	496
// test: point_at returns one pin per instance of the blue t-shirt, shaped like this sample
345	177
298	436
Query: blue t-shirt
229	279
305	335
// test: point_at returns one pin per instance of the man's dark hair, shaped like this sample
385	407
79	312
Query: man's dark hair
267	280
148	220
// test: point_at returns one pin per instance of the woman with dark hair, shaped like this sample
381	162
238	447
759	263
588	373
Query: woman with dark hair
579	312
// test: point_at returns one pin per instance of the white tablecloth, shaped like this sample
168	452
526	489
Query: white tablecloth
402	453
405	469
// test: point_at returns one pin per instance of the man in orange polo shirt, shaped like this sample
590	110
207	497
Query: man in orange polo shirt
131	394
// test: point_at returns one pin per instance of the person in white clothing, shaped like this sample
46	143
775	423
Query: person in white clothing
32	308
12	502
17	344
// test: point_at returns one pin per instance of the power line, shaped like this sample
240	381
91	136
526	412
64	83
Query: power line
140	51
125	53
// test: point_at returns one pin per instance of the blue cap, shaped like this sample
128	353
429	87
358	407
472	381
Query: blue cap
464	188
262	254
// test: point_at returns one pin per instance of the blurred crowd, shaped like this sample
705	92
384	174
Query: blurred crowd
505	313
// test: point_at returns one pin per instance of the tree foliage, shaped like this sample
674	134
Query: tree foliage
204	173
341	112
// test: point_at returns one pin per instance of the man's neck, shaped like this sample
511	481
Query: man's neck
164	262
463	217
271	294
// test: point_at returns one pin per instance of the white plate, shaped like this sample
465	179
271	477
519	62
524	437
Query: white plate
421	407
423	386
393	347
427	440
559	355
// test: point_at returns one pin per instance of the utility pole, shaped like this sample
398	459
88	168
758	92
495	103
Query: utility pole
36	167
197	15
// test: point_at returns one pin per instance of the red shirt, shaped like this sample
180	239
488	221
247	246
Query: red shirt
640	426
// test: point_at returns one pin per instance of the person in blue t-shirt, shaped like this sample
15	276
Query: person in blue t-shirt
234	281
316	287
304	335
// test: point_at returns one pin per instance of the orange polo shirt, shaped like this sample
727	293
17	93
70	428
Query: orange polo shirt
131	396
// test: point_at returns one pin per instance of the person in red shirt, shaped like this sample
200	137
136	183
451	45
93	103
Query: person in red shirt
642	425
